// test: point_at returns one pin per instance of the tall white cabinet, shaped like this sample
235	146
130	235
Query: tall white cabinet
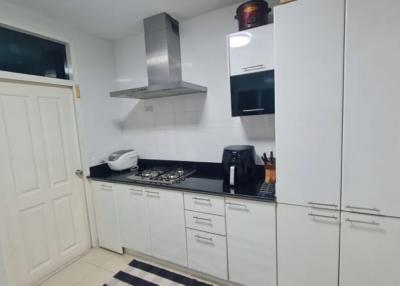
309	39
371	143
309	51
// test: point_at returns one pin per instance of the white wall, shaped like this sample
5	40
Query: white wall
93	64
193	127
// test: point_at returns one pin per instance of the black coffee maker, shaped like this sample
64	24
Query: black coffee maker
239	163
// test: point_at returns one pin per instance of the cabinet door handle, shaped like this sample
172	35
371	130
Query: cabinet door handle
362	222
136	192
236	205
201	218
364	209
201	199
204	238
323	204
106	186
253	110
153	194
256	67
323	216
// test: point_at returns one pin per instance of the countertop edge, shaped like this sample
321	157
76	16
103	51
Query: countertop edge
184	190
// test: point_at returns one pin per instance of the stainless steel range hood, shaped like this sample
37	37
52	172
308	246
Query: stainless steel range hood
164	67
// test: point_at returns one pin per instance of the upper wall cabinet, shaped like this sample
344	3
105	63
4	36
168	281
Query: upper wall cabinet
309	39
251	57
251	50
371	147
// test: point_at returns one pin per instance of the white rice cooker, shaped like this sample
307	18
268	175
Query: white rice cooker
123	160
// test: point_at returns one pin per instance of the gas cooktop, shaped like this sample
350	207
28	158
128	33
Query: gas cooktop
161	175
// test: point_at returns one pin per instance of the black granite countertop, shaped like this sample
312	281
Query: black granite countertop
208	179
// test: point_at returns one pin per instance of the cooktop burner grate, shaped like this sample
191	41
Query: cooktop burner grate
162	175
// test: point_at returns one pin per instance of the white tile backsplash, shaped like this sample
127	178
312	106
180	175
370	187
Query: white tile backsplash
191	127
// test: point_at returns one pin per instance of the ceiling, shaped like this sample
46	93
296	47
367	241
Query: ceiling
113	19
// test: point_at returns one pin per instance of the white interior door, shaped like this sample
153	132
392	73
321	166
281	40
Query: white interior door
39	153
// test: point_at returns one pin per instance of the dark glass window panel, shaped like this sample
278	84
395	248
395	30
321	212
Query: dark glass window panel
253	94
27	54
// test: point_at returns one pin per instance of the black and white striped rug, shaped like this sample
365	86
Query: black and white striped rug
139	273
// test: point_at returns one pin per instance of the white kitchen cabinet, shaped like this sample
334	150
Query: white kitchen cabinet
369	250
133	218
251	236
371	149
107	222
207	253
167	225
309	39
251	50
308	246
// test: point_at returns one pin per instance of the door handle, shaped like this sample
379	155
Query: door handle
323	216
204	238
322	204
257	67
79	173
253	110
153	194
201	218
362	222
201	199
363	209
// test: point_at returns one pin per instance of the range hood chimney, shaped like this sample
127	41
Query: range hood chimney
164	67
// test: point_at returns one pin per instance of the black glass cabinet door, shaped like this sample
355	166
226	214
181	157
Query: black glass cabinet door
253	94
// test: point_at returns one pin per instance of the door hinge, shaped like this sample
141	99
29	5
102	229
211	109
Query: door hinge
77	91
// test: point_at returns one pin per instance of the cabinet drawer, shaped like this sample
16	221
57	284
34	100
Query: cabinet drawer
205	204
205	222
207	253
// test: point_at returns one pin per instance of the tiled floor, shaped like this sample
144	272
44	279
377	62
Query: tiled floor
94	269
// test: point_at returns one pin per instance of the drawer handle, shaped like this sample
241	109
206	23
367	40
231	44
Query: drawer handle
364	209
152	194
201	199
256	67
136	192
204	238
362	222
201	218
323	216
322	204
106	186
236	205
